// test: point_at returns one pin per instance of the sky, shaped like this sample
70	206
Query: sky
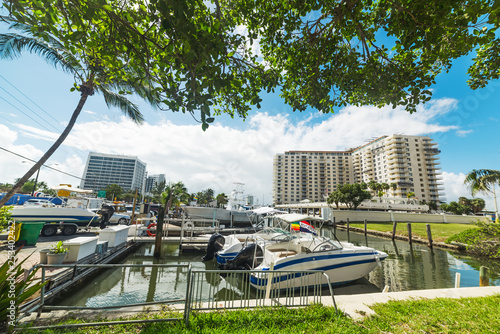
36	104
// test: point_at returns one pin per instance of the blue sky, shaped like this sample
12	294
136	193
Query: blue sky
464	123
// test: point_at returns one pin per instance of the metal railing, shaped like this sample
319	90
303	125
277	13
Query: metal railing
236	289
41	306
213	290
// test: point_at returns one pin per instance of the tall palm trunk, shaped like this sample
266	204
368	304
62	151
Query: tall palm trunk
86	91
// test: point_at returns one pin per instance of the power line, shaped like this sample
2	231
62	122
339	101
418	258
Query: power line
15	98
57	170
29	99
24	113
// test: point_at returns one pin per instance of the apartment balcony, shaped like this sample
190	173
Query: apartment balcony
394	140
432	150
405	184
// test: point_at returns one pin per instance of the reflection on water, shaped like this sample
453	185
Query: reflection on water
408	267
417	267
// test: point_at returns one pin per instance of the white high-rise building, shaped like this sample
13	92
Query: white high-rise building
410	163
103	169
152	181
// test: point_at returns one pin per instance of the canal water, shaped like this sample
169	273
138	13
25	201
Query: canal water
408	267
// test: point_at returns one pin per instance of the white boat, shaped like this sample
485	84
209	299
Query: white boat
342	262
78	216
235	214
301	250
229	218
234	243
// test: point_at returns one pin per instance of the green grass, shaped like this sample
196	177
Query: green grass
440	232
465	315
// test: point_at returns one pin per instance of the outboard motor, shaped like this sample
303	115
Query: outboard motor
106	212
215	244
248	258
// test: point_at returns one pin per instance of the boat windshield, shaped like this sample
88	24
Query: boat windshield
271	231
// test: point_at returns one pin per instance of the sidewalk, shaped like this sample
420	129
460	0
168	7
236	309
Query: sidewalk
358	306
31	253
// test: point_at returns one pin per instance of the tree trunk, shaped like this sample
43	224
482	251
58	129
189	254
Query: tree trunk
49	153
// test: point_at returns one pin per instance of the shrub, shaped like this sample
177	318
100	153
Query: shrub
482	241
5	213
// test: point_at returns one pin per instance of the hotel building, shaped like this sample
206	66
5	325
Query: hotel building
103	169
410	162
152	181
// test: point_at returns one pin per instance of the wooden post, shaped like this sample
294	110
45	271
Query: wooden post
133	208
409	232
159	231
429	234
394	230
348	235
334	226
457	280
484	277
365	228
159	226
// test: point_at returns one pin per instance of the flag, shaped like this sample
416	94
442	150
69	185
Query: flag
303	226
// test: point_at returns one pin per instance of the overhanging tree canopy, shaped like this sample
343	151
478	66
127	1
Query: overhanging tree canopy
322	54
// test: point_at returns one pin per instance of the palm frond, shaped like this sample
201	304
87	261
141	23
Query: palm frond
142	88
12	45
481	180
121	102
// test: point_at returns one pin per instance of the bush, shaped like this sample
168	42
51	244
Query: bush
482	241
5	213
15	288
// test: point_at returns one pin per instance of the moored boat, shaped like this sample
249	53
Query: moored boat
53	214
342	262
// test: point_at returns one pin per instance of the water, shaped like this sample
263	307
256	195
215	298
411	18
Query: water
408	267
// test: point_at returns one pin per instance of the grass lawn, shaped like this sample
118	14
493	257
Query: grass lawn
465	315
440	232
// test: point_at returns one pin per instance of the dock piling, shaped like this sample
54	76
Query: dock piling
393	230
409	232
429	234
365	228
457	280
484	276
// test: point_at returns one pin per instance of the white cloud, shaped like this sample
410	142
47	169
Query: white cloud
463	133
223	155
455	188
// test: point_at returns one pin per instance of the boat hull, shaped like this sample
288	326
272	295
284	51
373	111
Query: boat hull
340	267
226	217
54	214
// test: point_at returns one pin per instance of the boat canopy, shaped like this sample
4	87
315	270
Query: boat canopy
73	190
294	217
266	210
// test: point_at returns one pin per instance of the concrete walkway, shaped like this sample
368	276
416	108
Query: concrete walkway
357	306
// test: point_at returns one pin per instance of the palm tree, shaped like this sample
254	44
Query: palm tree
484	180
394	187
179	194
410	195
90	79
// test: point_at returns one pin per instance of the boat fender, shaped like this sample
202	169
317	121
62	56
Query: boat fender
150	226
215	244
188	225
